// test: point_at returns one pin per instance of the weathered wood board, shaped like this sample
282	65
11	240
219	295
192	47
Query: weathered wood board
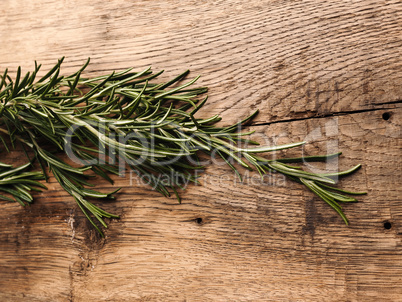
323	71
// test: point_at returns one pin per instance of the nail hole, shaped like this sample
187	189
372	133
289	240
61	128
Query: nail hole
386	116
387	225
198	220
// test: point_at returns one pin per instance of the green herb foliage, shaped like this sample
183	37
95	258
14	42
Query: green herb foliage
126	119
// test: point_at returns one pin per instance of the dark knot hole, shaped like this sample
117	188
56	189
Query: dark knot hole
387	225
386	116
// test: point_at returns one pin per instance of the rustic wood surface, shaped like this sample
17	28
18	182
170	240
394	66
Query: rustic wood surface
329	72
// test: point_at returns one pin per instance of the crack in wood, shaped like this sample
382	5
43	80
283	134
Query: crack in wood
388	103
340	113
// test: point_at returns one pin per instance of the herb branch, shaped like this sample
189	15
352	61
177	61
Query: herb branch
125	118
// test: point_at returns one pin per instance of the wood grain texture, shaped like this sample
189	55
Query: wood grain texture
322	71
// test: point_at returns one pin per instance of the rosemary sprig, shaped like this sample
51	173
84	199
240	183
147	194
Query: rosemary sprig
124	118
18	183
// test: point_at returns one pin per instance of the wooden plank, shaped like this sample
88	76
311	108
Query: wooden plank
322	71
288	59
272	231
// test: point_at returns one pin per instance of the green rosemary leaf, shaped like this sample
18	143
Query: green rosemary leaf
17	80
23	87
271	148
122	82
343	173
132	107
73	86
3	79
341	197
231	166
12	171
8	198
176	79
46	88
169	92
24	192
166	115
89	218
195	110
231	154
15	193
102	173
297	173
4	143
95	194
341	190
328	199
77	74
51	71
21	181
313	158
93	90
3	165
58	163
